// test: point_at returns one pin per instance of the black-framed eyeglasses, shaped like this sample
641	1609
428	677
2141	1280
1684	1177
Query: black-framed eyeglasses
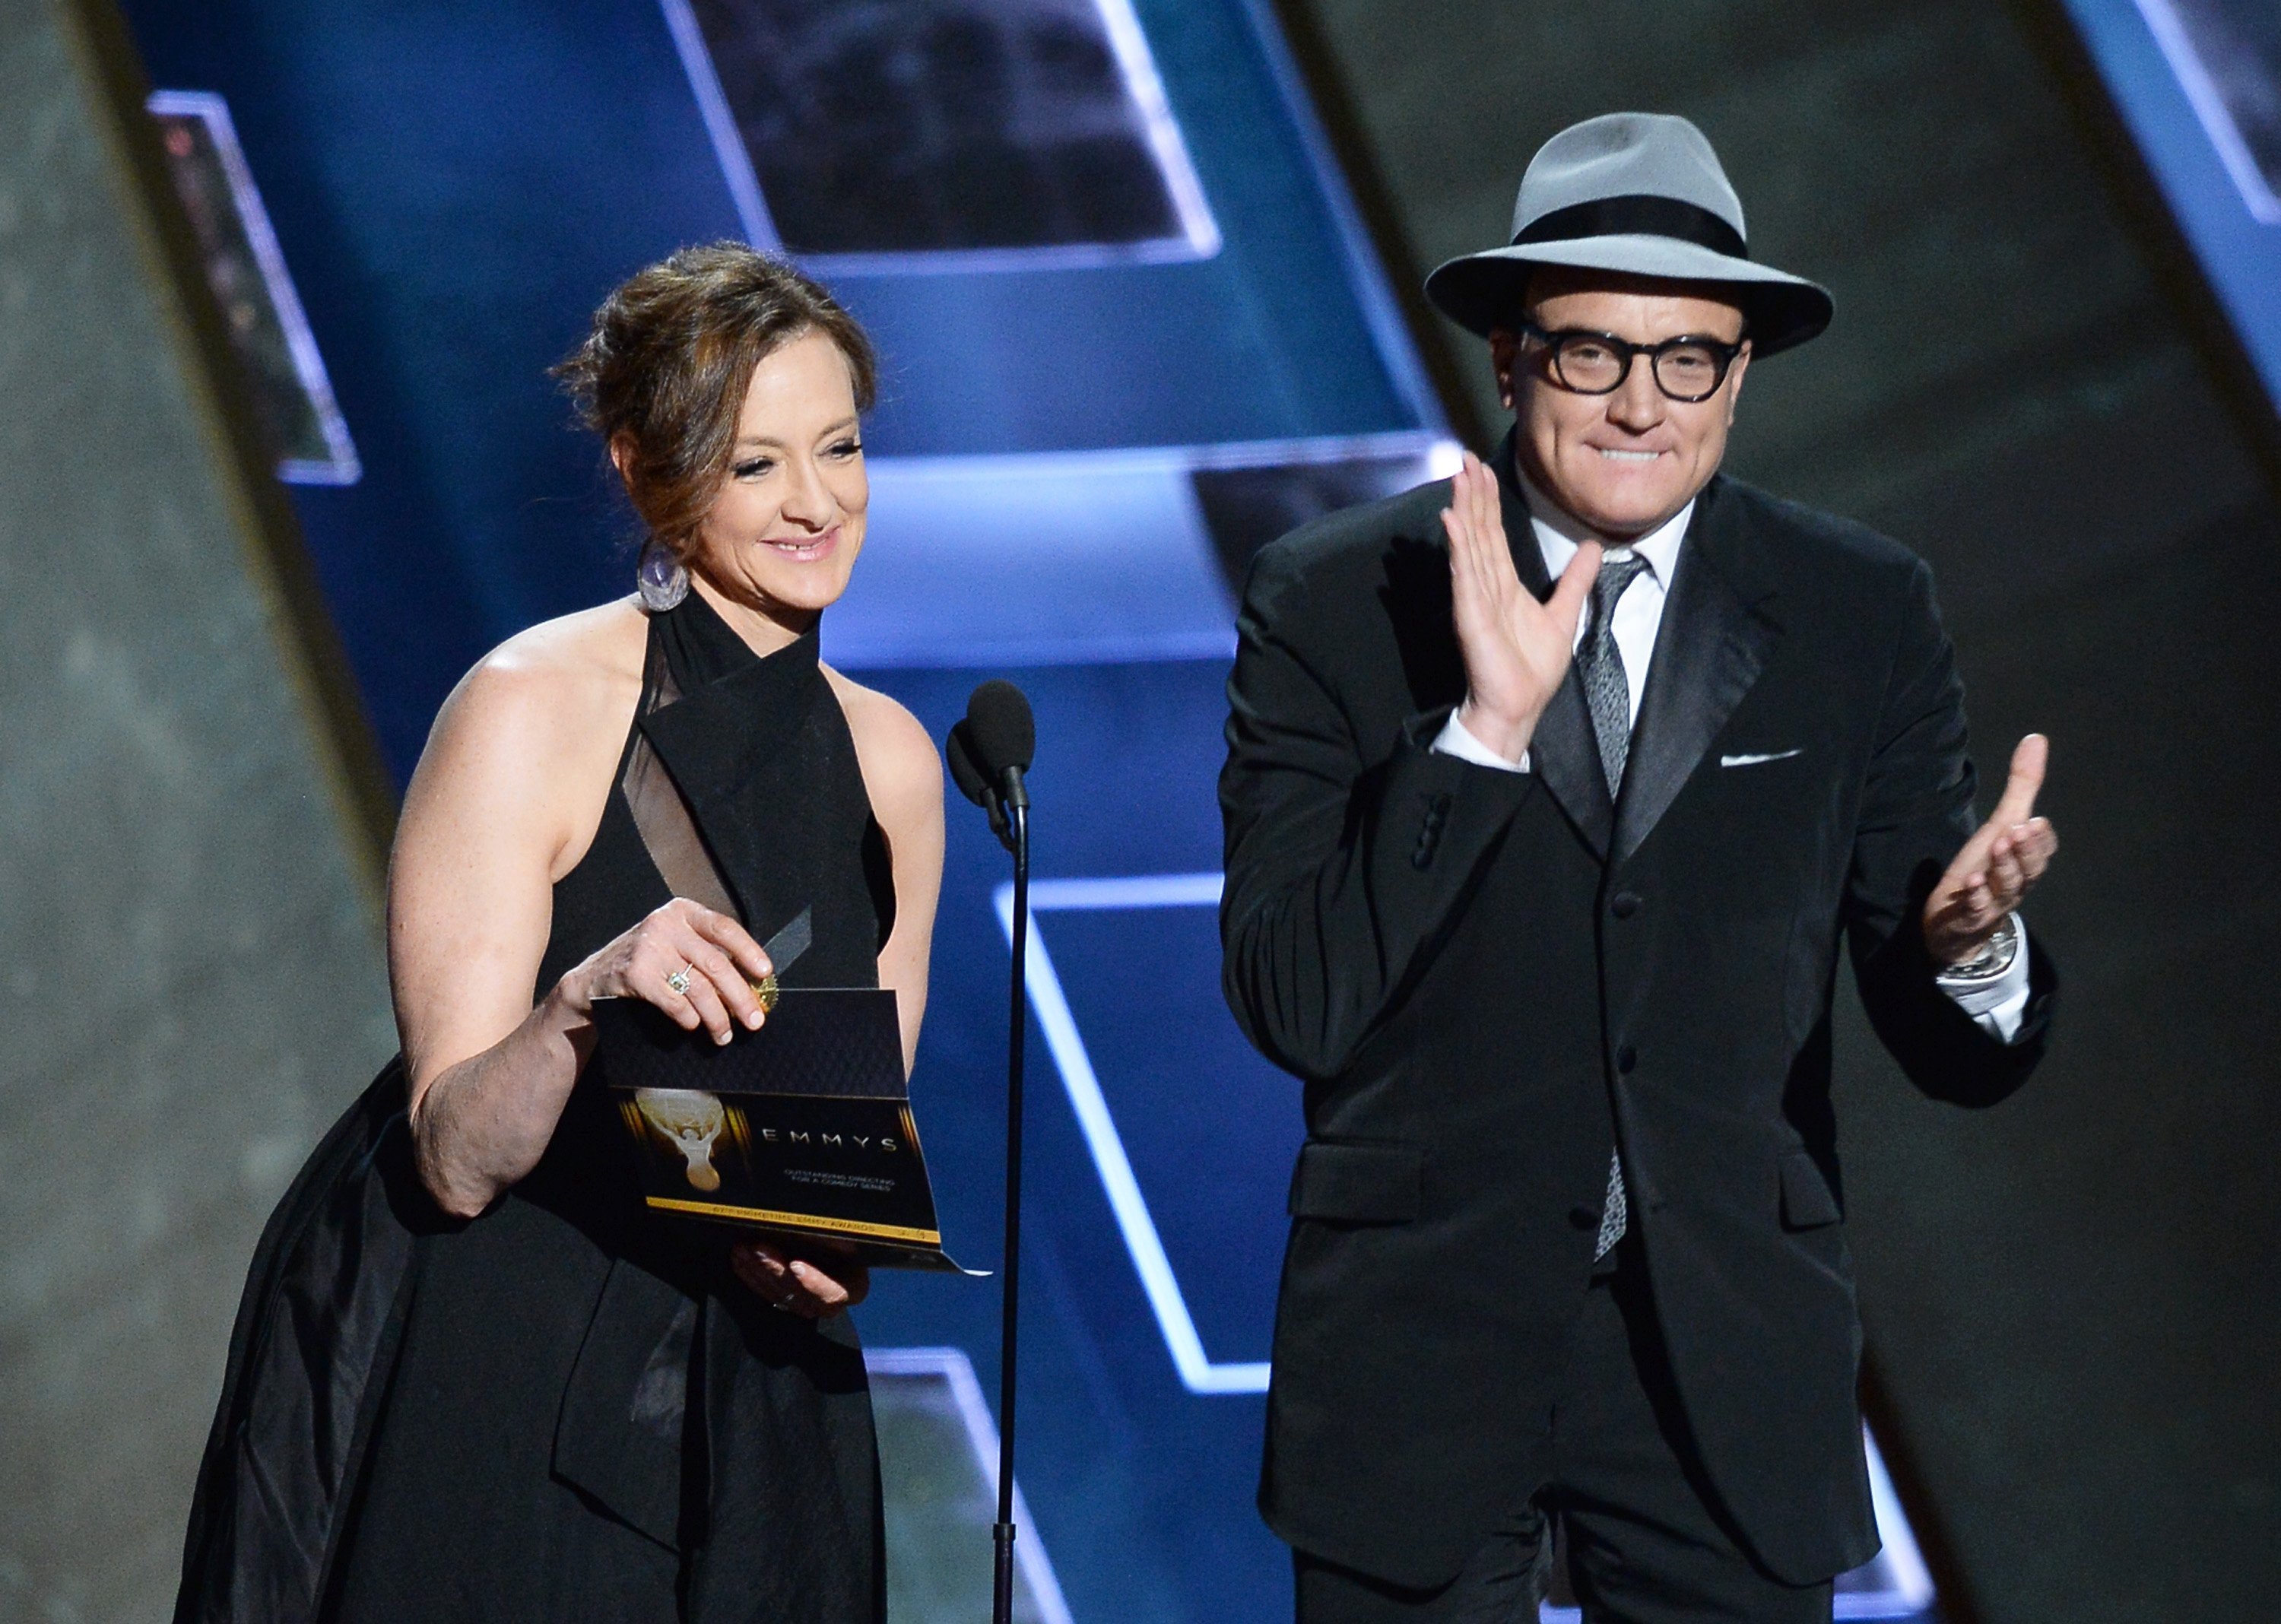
1686	369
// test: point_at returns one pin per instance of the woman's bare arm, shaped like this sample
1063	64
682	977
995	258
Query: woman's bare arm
506	798
904	777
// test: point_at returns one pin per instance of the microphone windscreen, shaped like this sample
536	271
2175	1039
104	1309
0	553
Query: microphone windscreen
999	729
960	753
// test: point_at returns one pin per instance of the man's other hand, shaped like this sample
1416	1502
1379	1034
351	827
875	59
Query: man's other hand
1516	650
1997	868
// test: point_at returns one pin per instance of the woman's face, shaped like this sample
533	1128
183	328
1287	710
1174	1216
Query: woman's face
784	531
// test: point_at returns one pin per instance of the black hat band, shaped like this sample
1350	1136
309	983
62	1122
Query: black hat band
1639	214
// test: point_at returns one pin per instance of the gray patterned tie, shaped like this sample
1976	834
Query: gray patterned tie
1608	696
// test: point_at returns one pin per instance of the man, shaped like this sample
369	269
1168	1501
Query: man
1549	792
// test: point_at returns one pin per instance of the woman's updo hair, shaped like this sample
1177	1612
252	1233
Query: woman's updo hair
671	357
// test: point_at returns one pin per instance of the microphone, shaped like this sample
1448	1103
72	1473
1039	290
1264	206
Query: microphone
988	753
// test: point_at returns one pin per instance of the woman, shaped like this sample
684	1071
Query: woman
565	1406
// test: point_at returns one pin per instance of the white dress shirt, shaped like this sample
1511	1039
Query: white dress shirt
1997	1005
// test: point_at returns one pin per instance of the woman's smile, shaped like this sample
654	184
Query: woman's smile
805	549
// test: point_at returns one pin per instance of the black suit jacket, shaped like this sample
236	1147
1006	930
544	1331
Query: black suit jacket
1486	980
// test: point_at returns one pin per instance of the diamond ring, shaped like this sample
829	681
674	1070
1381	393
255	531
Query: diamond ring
679	979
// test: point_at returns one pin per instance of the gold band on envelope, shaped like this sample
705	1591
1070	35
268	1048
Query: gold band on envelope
799	1220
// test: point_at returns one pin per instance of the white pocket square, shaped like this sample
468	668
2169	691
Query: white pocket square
1753	760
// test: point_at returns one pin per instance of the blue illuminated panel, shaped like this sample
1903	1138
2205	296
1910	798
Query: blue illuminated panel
2198	84
245	270
2226	56
1219	1128
945	136
936	1435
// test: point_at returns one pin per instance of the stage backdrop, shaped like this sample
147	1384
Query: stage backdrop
1131	331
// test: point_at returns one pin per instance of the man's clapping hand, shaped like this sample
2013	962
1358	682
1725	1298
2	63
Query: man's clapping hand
1516	650
1997	868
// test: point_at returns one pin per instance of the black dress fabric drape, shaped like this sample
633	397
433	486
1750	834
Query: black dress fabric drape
568	1409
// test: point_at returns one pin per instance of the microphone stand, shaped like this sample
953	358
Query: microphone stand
1016	803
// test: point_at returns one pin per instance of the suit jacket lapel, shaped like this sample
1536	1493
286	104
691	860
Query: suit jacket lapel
1563	752
1709	650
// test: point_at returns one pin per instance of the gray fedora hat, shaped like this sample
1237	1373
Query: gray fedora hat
1637	192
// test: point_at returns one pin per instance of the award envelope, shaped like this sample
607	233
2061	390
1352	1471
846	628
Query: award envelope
803	1127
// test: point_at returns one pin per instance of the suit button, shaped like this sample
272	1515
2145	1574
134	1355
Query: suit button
1624	904
1584	1217
1627	1057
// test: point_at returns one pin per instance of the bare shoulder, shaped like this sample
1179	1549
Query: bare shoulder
550	683
601	644
900	764
531	733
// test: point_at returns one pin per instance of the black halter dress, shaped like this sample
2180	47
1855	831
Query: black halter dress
568	1409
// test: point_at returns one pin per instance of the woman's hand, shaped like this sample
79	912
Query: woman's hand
800	1285
696	965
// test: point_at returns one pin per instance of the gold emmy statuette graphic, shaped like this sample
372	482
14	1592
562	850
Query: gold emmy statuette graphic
690	1121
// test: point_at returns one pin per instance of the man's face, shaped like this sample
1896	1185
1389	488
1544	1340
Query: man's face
1622	462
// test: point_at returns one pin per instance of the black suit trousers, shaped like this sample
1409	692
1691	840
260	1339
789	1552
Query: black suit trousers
1616	1472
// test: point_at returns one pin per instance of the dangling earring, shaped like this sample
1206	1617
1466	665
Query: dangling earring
659	577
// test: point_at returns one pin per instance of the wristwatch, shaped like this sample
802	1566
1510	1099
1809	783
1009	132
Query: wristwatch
1991	961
